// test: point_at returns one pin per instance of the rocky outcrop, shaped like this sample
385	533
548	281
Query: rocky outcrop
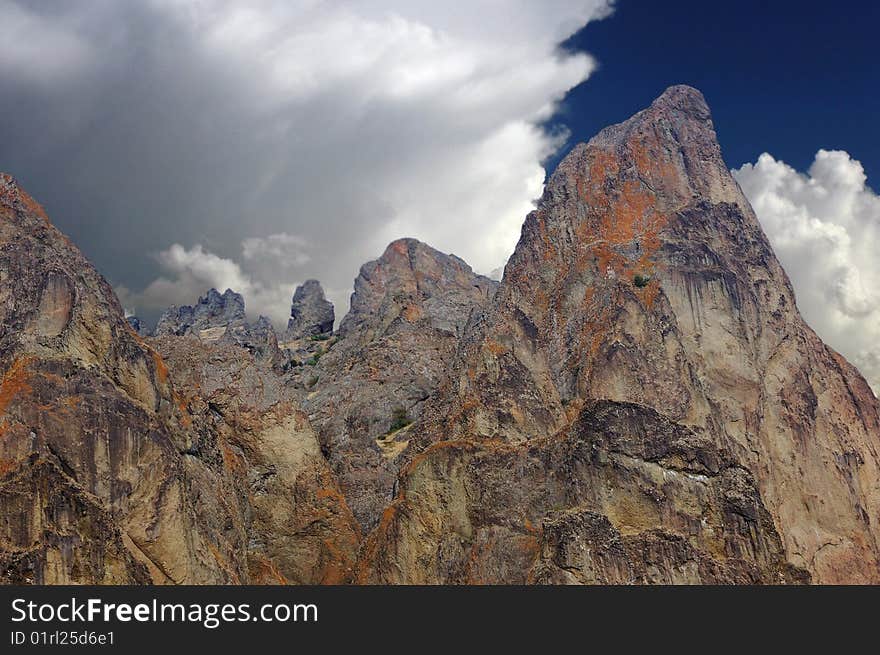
311	314
623	496
642	281
222	318
258	338
208	318
298	525
394	347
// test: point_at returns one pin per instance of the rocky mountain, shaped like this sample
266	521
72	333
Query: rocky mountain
637	401
643	401
218	317
298	526
95	485
210	315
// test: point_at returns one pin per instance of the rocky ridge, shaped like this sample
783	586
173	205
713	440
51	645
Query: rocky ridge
219	317
638	401
113	474
208	317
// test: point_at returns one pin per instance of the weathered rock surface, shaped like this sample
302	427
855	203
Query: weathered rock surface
643	280
258	338
209	316
408	310
311	314
109	475
299	528
221	317
638	401
622	496
94	487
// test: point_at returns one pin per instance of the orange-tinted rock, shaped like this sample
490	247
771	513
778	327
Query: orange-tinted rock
105	476
639	401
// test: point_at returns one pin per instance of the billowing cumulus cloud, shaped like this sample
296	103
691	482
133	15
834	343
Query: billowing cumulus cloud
207	131
825	228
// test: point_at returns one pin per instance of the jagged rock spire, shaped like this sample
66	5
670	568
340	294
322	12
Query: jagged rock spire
213	310
311	314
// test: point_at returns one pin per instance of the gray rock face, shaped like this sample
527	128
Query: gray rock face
394	347
213	310
258	338
221	318
311	314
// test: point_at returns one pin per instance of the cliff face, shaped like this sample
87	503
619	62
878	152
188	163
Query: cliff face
638	401
297	524
643	281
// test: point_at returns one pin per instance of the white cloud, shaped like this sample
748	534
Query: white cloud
286	248
825	229
347	123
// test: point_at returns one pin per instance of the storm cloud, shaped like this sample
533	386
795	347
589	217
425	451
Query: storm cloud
184	145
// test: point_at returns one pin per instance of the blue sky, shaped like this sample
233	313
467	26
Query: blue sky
780	76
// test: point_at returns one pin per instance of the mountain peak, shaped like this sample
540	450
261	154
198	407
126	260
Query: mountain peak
667	153
408	310
639	400
213	310
416	281
684	98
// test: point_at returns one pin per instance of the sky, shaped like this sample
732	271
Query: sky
252	144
